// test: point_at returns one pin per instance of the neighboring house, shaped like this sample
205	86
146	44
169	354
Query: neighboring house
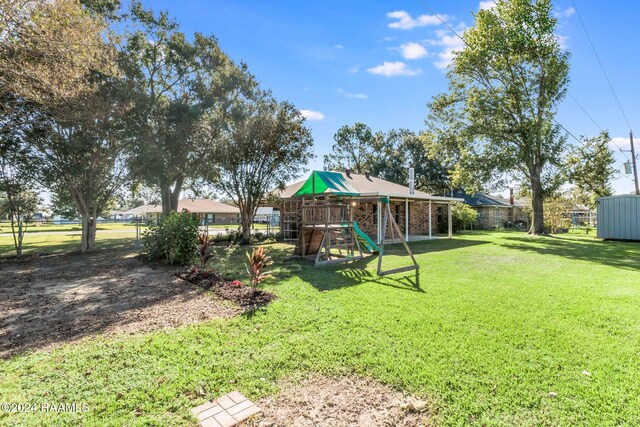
418	214
582	215
496	211
266	214
208	211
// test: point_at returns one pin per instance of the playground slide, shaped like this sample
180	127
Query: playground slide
365	240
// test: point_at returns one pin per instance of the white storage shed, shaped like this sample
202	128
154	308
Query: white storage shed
619	217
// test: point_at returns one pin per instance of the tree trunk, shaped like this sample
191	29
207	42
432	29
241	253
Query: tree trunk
170	197
537	206
246	219
165	195
88	234
175	194
20	237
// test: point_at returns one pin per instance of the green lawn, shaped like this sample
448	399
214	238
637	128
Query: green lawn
496	322
45	243
66	238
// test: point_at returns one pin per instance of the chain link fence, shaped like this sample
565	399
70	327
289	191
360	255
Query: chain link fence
43	237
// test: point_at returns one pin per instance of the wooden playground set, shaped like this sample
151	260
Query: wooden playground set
328	232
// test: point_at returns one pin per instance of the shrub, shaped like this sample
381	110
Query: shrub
462	216
257	262
173	238
205	244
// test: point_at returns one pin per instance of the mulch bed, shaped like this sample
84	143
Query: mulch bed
231	290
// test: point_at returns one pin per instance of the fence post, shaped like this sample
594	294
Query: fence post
138	234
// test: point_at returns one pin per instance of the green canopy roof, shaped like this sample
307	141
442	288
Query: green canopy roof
323	182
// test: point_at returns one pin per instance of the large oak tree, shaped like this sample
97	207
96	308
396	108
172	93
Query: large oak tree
176	81
504	88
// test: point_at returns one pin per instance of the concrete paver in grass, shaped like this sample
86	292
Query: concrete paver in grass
225	411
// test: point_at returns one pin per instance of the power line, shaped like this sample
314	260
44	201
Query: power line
600	63
584	111
491	65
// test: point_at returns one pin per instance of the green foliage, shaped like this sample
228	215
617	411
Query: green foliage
356	148
257	262
265	143
174	239
463	216
387	156
492	363
555	215
591	169
496	121
176	80
205	244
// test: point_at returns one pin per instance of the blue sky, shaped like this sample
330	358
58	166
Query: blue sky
380	62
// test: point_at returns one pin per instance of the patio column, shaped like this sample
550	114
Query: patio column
450	220
378	214
429	219
406	219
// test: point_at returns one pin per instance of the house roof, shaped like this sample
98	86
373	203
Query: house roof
192	205
359	185
478	200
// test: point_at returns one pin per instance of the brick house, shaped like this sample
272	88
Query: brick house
495	211
208	211
418	214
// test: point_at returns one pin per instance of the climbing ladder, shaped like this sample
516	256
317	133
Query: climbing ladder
339	244
391	222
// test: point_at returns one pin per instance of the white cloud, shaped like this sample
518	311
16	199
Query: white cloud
562	41
404	21
413	51
488	4
390	69
620	142
339	46
312	115
354	69
567	13
351	94
450	43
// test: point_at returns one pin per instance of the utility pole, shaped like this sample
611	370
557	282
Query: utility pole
633	160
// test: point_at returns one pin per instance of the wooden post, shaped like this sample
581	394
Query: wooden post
450	220
379	223
429	219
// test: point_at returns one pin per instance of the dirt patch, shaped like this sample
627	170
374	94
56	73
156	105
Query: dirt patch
230	290
51	300
347	401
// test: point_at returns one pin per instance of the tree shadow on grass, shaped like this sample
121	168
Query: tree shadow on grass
624	255
432	246
353	273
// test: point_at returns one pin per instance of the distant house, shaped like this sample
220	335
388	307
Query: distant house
496	211
208	211
266	214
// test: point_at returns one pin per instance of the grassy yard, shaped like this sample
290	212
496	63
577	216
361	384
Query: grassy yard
495	323
66	238
46	243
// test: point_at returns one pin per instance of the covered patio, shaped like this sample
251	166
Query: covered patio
419	215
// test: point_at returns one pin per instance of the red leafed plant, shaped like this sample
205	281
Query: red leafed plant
205	244
258	260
